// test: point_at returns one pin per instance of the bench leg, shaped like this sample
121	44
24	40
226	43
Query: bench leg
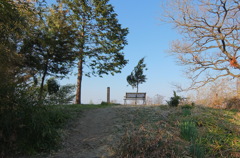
144	102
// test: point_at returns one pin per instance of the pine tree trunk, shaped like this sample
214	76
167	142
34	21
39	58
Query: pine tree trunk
42	83
79	81
80	69
41	88
136	96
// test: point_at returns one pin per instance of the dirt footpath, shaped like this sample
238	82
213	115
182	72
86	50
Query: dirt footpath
94	134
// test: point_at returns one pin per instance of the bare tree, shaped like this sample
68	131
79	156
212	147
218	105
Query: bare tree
158	99
211	38
215	93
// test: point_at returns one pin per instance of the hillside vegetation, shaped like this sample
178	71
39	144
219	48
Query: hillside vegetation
183	131
139	130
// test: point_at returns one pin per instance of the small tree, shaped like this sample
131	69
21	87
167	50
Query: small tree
174	101
137	77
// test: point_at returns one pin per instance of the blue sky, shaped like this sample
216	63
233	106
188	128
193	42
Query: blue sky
148	37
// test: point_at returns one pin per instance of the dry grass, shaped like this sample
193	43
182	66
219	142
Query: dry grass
156	132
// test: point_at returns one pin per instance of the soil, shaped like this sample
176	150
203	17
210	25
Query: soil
95	134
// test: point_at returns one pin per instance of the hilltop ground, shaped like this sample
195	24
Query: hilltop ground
150	131
92	135
99	131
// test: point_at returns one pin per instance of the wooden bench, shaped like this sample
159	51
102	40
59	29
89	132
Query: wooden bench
135	96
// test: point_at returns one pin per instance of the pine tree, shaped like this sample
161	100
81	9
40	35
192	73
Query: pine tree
100	38
137	77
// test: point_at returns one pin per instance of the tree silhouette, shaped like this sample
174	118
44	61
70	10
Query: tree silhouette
137	77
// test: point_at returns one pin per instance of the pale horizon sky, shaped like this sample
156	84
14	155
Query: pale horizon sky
148	37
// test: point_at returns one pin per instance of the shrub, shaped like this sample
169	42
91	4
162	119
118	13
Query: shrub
233	103
174	101
105	103
26	127
187	106
64	95
186	111
40	131
31	129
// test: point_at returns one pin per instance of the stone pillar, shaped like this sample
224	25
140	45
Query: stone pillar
108	95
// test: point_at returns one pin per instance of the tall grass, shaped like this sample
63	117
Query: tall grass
33	129
188	130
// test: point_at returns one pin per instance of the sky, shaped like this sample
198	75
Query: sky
148	37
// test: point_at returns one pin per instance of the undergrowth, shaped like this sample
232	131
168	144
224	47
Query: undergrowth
33	129
201	131
145	142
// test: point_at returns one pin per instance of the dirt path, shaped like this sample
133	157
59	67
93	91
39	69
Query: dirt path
93	135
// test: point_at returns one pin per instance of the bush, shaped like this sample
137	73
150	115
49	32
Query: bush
31	129
186	112
233	103
64	95
24	126
40	131
187	106
174	101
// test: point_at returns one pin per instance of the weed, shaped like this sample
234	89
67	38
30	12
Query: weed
188	130
146	143
197	150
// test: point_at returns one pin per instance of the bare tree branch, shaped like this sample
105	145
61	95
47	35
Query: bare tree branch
211	43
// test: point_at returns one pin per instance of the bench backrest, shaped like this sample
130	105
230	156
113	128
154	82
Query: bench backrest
136	95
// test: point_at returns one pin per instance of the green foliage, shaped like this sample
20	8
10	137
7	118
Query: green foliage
54	94
39	131
137	77
36	42
188	130
221	132
187	106
99	38
197	150
33	129
13	28
48	50
53	86
63	96
186	111
174	101
27	128
104	103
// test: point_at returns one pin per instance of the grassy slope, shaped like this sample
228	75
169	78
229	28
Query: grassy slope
37	129
179	132
158	131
